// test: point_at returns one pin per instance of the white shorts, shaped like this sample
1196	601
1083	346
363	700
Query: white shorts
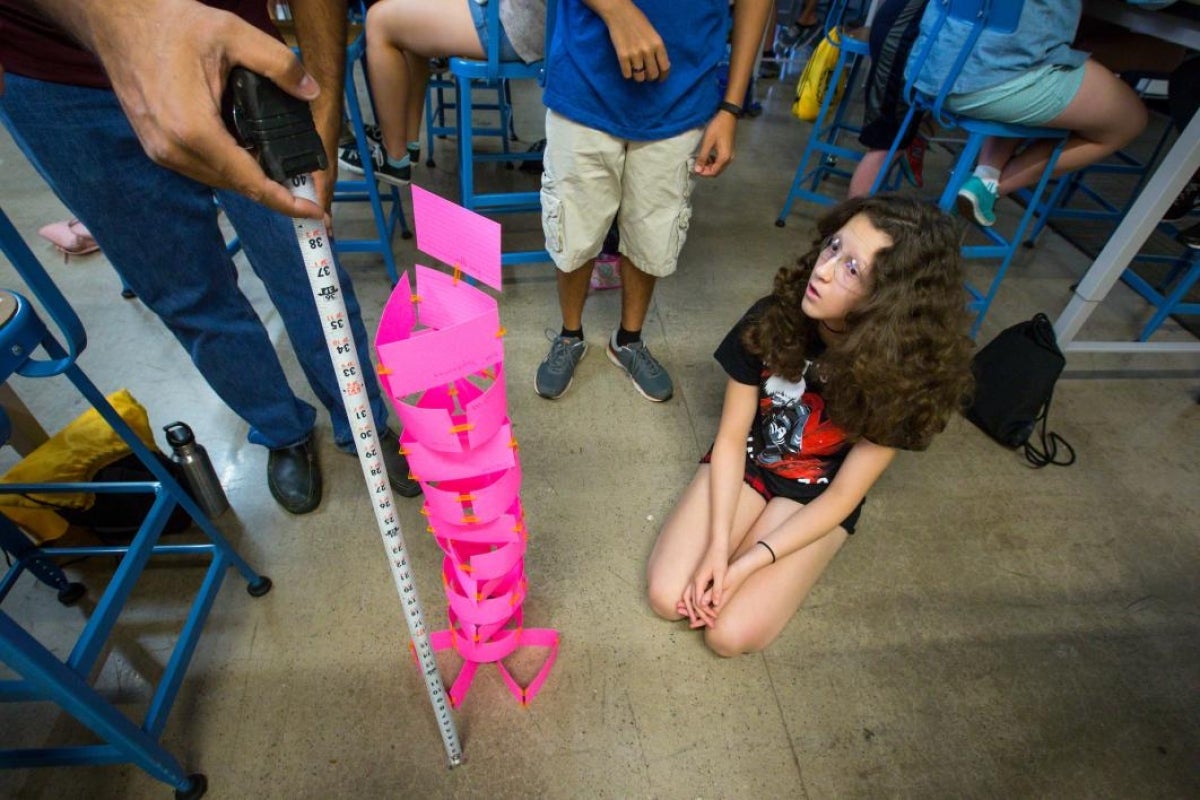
589	176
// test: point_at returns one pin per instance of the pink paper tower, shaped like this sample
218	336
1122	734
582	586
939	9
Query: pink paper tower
442	362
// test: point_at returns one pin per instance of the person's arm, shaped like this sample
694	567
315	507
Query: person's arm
639	49
726	471
865	462
168	61
716	147
321	34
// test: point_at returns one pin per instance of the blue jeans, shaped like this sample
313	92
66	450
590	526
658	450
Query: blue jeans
159	230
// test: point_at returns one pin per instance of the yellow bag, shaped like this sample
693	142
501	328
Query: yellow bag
814	81
74	454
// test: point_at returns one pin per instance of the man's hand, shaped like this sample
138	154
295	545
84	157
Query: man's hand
168	61
716	146
640	50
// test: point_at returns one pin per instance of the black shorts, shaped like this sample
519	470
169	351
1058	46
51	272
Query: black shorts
769	486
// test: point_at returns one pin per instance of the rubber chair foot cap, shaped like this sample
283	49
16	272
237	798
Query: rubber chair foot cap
197	786
259	587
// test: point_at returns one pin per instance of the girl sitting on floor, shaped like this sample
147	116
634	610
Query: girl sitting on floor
860	350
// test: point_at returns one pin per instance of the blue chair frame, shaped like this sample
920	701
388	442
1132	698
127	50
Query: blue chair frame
467	74
366	188
43	675
437	104
1003	16
822	151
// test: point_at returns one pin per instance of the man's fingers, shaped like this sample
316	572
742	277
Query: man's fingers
662	64
258	52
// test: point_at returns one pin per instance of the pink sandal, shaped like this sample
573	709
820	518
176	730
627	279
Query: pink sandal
70	238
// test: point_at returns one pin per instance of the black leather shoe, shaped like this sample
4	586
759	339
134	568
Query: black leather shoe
294	477
397	465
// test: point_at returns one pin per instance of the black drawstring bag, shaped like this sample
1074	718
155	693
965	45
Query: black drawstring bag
1015	375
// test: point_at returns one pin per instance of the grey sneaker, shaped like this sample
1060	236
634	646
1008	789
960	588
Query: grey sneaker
557	370
648	376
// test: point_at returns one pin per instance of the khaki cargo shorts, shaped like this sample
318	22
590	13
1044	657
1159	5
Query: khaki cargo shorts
589	175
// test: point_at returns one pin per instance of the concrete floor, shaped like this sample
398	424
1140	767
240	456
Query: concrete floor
991	632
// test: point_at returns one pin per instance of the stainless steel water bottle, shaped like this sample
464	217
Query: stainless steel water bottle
197	469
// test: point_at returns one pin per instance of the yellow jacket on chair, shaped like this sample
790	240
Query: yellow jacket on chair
814	81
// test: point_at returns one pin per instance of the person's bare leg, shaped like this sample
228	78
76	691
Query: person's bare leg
683	541
869	167
572	294
418	78
636	290
1104	116
399	34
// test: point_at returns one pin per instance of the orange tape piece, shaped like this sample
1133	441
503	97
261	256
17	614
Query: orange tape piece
465	498
380	369
503	330
457	274
466	426
416	298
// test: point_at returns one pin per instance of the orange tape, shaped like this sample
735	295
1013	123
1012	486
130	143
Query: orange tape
416	298
466	426
380	369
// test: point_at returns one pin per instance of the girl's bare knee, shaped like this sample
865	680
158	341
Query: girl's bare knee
662	600
728	641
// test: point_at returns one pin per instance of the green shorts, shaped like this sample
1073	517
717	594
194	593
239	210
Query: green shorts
1034	98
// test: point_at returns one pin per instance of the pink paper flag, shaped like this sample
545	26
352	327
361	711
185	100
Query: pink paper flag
445	300
456	236
439	357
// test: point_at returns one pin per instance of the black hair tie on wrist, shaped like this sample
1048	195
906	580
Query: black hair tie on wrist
769	550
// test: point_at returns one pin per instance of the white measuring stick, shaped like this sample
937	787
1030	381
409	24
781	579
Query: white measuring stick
313	240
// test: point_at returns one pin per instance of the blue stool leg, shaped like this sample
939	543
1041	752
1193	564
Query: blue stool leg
31	558
466	134
1171	301
40	668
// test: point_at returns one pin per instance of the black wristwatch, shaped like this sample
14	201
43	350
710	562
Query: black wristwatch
736	110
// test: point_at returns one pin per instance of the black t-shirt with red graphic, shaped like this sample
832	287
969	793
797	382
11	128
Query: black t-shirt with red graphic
793	442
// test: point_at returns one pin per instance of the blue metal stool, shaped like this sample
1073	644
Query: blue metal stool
366	188
467	74
1000	16
438	102
1168	296
822	152
43	675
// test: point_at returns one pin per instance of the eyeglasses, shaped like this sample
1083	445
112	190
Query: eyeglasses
849	272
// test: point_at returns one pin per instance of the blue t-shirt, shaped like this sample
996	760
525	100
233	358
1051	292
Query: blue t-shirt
1042	37
584	81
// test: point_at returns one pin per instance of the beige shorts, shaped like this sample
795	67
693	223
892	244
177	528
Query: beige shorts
589	176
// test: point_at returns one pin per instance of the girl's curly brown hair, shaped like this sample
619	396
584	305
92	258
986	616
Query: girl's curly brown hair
903	364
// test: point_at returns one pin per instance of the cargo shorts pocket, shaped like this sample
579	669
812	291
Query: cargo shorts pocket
552	221
679	230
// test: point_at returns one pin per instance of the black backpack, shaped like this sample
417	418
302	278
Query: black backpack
1015	375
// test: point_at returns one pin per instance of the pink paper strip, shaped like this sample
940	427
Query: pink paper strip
446	300
456	236
501	530
398	316
432	423
489	497
438	465
440	357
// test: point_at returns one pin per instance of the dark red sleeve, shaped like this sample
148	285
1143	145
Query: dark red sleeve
34	47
